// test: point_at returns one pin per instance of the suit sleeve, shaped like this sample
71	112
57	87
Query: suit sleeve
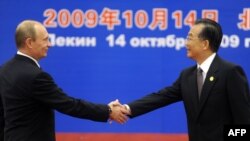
239	97
48	93
156	100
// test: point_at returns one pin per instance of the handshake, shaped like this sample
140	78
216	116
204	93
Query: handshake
119	113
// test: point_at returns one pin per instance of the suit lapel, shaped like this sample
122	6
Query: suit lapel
192	87
210	80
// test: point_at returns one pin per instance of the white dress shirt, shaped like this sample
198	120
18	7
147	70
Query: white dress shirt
206	65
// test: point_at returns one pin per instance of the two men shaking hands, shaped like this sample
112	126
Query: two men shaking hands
118	112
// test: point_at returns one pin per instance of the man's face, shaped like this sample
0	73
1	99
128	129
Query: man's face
41	44
194	44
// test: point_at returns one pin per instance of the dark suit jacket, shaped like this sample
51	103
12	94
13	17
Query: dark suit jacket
29	96
1	119
224	100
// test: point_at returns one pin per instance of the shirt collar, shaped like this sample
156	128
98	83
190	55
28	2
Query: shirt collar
20	53
207	63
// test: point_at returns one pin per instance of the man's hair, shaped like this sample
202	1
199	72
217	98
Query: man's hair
24	30
212	32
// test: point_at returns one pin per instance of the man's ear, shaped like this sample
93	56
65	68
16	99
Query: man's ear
28	42
205	44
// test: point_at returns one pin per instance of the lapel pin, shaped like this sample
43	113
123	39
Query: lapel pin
211	78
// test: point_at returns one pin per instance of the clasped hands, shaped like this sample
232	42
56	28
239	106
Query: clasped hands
119	112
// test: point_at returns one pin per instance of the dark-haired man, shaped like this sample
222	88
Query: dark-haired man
215	92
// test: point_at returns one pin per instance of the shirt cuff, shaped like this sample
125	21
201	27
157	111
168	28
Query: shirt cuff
127	108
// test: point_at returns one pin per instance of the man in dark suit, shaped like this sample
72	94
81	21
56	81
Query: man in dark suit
1	119
224	97
29	95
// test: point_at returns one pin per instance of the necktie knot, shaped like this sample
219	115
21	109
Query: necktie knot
200	70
